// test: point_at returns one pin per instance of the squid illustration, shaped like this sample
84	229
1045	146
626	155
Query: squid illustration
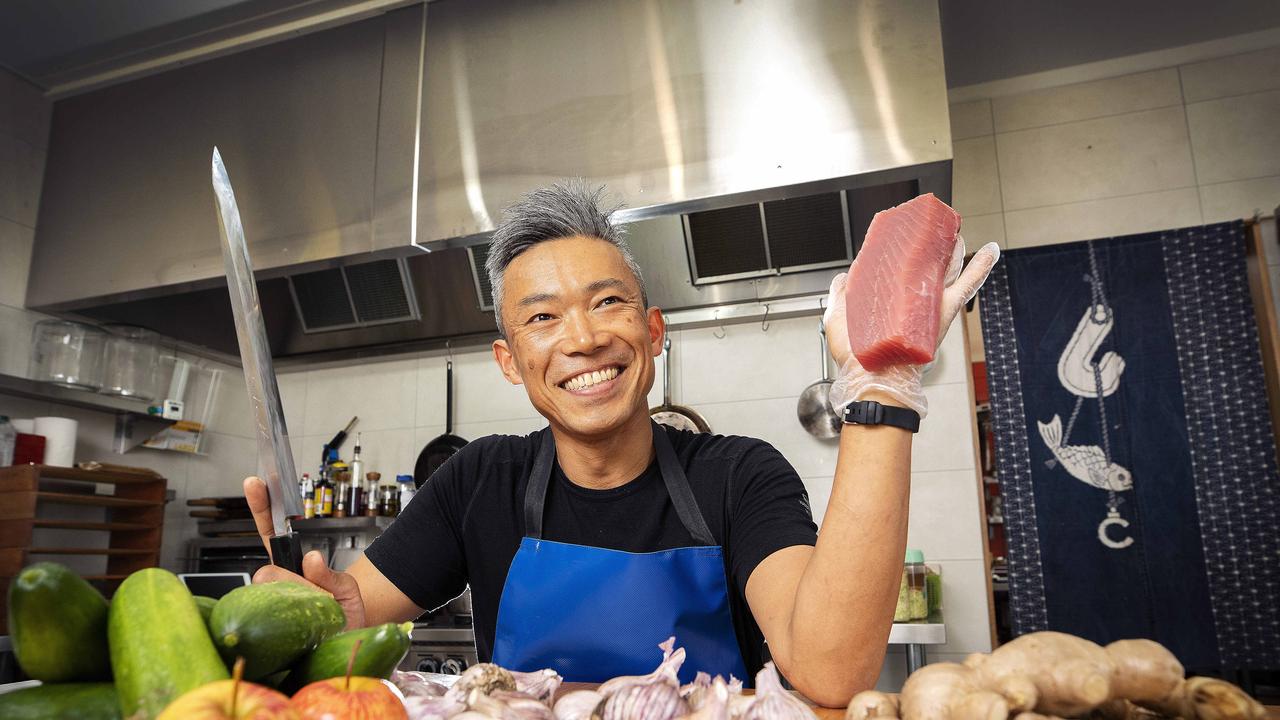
1075	365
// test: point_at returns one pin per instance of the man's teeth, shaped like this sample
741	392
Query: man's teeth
586	380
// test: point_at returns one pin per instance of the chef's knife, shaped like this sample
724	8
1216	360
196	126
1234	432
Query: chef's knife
275	459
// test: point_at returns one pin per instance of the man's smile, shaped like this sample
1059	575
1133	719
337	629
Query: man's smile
596	381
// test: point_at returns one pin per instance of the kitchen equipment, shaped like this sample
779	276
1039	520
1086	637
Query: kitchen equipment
132	356
275	458
813	409
67	354
331	447
444	446
677	416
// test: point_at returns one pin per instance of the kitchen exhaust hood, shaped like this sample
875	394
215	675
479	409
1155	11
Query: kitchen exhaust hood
750	143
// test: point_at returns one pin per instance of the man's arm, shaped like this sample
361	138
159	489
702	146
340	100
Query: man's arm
826	610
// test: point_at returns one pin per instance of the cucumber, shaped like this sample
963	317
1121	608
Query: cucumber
271	625
205	606
160	647
381	650
59	625
68	701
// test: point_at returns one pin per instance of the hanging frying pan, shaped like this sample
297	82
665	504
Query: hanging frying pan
677	416
442	447
813	409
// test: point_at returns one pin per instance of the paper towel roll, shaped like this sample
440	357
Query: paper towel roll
59	440
24	425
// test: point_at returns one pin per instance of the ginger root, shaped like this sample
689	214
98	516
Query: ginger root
870	704
1054	675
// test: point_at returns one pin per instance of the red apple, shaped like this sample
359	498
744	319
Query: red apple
349	698
214	701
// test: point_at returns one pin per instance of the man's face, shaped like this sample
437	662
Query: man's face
578	335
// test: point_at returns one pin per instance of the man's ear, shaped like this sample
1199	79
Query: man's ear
506	362
657	330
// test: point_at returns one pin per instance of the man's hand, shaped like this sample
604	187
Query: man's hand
315	572
900	383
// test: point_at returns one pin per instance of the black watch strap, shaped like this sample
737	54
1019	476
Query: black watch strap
870	412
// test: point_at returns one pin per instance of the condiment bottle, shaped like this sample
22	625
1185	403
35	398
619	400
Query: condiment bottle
913	574
341	494
354	506
371	498
406	491
308	497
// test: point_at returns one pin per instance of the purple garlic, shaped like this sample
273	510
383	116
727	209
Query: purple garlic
579	705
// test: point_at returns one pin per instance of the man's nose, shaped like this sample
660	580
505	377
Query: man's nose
582	335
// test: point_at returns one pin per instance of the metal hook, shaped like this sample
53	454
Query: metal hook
721	334
764	322
448	348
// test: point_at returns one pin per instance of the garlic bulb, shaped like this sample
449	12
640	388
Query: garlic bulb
541	684
695	692
773	702
487	677
654	700
416	684
579	705
438	707
667	672
522	706
715	704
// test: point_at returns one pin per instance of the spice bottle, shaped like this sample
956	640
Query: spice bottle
913	601
371	498
308	497
406	491
341	493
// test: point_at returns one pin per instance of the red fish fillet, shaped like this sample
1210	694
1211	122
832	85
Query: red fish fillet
895	283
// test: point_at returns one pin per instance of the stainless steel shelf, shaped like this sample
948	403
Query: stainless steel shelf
930	632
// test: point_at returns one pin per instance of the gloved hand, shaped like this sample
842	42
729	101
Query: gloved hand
902	383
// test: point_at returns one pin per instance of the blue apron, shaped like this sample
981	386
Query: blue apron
593	614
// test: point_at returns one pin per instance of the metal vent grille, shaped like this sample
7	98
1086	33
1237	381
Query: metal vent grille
864	203
322	299
372	293
726	243
807	231
479	255
377	291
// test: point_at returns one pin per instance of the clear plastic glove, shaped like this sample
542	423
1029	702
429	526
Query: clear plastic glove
902	383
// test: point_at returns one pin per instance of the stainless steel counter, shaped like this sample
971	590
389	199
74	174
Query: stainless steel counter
916	635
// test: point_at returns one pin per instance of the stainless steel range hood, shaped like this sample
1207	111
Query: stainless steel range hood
813	112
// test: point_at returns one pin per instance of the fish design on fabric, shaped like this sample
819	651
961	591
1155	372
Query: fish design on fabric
1085	462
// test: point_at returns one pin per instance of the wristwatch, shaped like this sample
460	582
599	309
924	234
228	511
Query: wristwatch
870	412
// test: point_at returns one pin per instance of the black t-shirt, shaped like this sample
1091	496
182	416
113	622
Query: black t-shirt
465	524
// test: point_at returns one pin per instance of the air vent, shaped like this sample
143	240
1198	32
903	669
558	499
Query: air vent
354	296
479	255
791	235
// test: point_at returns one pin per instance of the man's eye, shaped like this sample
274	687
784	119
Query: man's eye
612	299
540	317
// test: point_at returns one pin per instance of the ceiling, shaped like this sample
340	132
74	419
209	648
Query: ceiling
52	42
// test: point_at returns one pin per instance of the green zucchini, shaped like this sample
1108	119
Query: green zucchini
205	606
271	625
160	647
382	647
59	625
67	701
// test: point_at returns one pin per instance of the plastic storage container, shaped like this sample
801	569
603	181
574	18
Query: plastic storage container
913	598
132	358
67	354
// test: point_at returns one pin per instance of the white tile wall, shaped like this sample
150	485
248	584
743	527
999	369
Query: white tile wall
382	394
1236	138
1241	198
970	119
1093	159
975	179
1106	217
978	230
1082	101
1234	75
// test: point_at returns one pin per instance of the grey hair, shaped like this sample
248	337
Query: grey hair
565	209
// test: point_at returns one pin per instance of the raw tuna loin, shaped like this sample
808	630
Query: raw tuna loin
895	284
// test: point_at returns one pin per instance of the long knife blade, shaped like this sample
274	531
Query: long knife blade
275	458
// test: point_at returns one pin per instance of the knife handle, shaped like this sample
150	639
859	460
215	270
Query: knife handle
286	552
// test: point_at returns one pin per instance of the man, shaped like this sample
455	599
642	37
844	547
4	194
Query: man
587	543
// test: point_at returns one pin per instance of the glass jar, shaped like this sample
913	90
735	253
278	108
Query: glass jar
133	355
913	598
68	354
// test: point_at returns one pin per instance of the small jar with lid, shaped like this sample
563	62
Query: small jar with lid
913	599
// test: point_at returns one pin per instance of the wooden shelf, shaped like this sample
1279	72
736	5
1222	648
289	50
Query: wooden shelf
82	525
99	500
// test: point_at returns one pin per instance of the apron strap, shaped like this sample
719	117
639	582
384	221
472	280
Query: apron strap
678	487
673	476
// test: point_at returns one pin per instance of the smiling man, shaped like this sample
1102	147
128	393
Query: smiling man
587	543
